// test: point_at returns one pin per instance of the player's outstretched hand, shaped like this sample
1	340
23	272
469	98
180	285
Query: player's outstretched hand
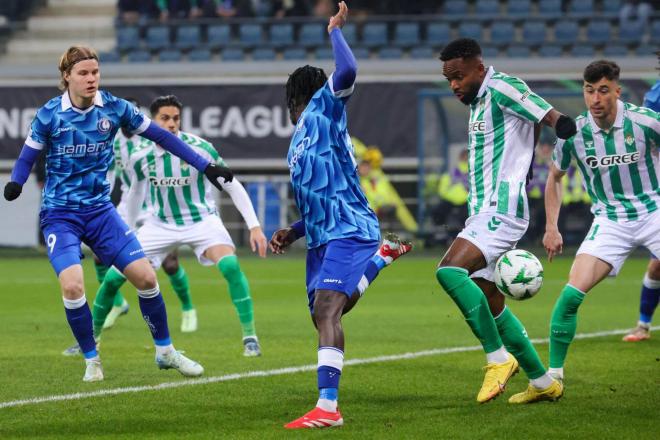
282	239
214	172
258	241
553	243
13	190
339	19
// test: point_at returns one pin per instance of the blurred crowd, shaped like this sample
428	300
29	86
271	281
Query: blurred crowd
132	11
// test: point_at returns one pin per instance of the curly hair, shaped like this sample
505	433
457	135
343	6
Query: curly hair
461	48
302	84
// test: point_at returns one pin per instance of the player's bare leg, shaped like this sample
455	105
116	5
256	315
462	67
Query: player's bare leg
226	261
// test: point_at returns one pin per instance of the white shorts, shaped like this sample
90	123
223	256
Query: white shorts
494	234
612	242
159	239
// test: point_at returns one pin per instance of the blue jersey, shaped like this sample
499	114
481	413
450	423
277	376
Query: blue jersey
324	173
652	98
79	149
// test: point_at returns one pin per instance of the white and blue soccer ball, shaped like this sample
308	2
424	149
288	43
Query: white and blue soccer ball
518	274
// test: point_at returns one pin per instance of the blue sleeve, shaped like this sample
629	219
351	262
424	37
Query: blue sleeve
131	117
652	98
345	64
299	228
23	165
175	146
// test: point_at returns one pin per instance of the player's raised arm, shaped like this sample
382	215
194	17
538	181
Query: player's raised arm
343	77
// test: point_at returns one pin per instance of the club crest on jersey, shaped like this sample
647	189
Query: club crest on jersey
104	125
612	159
629	140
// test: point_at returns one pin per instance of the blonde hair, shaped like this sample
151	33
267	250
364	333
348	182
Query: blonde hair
74	55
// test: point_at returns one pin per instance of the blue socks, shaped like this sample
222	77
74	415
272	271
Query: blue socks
649	299
330	364
155	315
80	320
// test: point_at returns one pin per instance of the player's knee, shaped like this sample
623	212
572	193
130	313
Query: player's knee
72	289
171	264
147	281
653	271
229	267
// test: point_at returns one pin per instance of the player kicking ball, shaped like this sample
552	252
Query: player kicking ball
341	230
182	211
503	114
616	149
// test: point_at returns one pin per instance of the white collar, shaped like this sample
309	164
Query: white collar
67	104
484	84
618	121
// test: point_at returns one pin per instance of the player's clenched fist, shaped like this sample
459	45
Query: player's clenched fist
13	190
282	239
214	172
339	19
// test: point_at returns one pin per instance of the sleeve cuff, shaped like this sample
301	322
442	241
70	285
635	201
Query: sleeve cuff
145	124
33	144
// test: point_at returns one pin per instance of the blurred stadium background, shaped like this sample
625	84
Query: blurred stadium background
228	61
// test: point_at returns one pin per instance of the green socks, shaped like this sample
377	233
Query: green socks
105	298
239	290
473	304
101	270
517	343
563	324
180	285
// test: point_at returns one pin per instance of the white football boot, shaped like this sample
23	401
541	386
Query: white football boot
179	362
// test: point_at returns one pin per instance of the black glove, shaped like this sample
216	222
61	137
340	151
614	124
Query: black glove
214	172
13	190
565	127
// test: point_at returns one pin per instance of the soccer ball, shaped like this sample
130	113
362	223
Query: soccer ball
518	274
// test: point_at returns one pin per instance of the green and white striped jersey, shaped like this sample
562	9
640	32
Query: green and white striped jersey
123	147
178	194
501	144
619	165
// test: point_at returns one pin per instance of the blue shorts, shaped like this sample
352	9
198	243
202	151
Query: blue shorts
338	265
100	228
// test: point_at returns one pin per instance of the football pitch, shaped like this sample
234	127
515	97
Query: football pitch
415	369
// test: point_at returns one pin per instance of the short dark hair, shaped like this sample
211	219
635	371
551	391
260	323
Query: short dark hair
302	84
597	70
164	101
461	48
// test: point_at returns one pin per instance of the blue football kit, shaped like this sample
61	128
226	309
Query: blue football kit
76	203
341	230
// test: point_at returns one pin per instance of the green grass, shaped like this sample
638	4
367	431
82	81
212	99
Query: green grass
612	387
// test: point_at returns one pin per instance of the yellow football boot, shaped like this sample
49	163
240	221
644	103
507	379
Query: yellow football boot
497	376
532	395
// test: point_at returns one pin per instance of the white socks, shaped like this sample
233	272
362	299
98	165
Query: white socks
498	356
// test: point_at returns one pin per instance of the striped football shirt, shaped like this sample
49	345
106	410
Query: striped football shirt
178	193
501	143
619	165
